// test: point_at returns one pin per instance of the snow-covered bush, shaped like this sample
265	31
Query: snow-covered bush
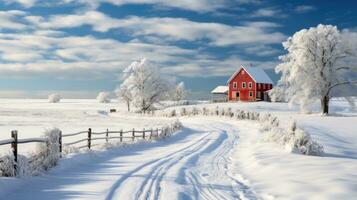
183	112
7	163
47	154
54	98
294	140
177	125
216	110
195	111
205	111
103	97
173	113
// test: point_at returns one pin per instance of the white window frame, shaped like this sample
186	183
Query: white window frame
235	85
250	93
250	85
258	85
243	85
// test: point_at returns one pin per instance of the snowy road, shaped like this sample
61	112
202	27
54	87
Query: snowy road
194	164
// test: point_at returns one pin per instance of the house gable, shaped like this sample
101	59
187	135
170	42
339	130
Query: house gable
257	74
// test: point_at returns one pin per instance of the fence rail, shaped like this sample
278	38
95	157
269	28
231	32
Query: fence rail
109	135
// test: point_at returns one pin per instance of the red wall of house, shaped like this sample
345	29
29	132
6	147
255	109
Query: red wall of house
244	92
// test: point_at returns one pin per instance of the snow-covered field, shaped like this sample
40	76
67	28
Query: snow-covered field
212	158
31	117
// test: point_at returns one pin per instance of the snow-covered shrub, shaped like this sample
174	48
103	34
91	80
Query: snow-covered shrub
47	154
54	98
177	125
301	142
217	110
222	112
195	111
173	113
183	112
23	166
229	112
205	111
294	139
7	163
103	97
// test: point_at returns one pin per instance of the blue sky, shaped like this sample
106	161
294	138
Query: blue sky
79	47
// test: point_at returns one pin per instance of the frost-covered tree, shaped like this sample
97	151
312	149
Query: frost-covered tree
124	93
54	98
318	61
145	84
103	97
179	92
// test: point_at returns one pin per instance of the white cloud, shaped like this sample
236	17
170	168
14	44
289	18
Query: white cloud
268	12
261	50
304	8
77	57
24	3
196	5
173	29
8	20
215	67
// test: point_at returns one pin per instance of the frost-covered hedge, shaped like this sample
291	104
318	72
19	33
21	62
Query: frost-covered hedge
293	138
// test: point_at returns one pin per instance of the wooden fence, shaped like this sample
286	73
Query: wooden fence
91	136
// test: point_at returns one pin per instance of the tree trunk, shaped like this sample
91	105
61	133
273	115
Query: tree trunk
324	104
128	104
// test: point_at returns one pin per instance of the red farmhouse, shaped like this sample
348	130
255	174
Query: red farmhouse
249	84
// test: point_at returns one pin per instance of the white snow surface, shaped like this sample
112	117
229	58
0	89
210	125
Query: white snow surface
32	117
211	158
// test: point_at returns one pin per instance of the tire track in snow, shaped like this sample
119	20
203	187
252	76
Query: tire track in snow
216	149
126	176
158	173
220	163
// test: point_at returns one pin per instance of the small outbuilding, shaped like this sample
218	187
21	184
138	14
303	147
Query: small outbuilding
219	94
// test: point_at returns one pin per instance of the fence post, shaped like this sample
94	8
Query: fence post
150	134
133	134
157	132
144	133
60	143
121	135
107	136
14	148
89	137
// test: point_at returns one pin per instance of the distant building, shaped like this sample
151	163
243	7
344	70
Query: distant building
249	84
220	93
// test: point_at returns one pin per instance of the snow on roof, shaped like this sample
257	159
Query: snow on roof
220	90
258	74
